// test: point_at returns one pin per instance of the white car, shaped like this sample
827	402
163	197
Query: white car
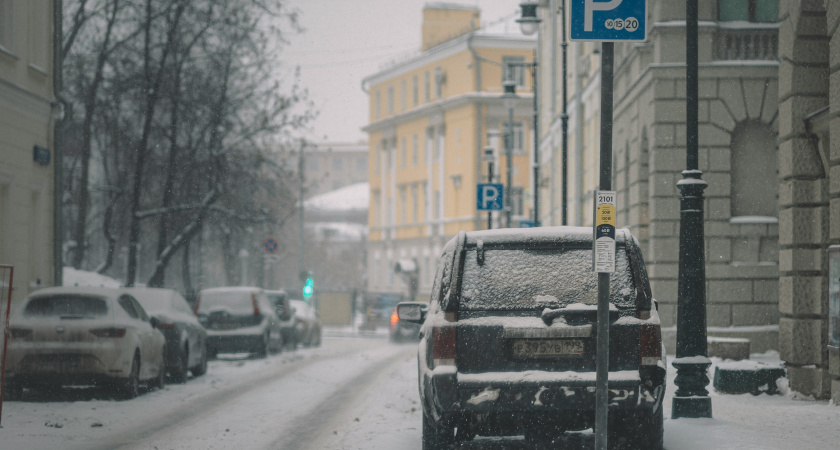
83	336
307	323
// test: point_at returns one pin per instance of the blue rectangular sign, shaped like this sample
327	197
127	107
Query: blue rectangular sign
607	20
490	196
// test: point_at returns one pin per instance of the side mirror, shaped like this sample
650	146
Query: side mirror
154	322
410	312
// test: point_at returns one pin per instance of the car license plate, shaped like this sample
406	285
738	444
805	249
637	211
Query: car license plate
539	348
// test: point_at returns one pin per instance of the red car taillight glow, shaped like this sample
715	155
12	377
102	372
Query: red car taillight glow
443	346
112	332
197	302
651	345
256	304
394	318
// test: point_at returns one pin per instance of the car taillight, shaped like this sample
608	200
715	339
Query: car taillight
195	306
651	345
165	325
394	318
256	304
20	333
443	346
112	332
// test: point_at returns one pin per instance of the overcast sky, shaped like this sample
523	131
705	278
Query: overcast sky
346	40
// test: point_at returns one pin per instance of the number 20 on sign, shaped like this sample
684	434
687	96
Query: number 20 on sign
603	234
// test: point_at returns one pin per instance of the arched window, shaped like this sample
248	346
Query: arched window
754	172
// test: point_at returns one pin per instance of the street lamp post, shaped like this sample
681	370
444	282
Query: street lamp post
691	398
529	24
489	156
509	98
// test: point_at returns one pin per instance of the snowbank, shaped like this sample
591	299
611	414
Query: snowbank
73	277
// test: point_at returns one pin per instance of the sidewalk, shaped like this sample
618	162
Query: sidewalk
745	421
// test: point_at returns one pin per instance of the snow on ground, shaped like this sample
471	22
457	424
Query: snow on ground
357	392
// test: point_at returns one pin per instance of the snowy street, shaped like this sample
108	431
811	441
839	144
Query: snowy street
352	393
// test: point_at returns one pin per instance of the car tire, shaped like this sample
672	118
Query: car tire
201	368
638	429
13	391
179	373
130	387
262	351
435	438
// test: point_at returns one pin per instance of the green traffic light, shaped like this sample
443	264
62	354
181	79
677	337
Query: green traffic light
308	288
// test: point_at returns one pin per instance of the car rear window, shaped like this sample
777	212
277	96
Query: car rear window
516	279
66	306
239	301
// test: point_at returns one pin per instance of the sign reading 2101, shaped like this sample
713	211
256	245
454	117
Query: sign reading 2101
607	20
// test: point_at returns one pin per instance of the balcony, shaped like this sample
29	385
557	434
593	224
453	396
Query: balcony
747	41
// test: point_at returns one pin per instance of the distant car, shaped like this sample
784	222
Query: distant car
308	325
186	339
286	313
508	341
239	319
402	330
84	336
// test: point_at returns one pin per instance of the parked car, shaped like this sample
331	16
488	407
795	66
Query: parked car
307	323
239	319
402	330
286	313
84	336
508	342
186	339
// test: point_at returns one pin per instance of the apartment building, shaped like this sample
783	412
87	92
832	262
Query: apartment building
334	165
431	116
27	154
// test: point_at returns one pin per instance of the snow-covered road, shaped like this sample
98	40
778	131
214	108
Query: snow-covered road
353	393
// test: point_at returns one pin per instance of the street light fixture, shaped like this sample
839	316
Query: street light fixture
529	23
509	100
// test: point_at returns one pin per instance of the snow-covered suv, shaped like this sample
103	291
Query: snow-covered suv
508	342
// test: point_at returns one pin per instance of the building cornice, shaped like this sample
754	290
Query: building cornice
525	99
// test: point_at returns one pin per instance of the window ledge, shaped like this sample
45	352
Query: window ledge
753	220
9	53
38	70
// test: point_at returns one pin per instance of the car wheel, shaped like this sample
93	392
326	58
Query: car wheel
179	373
435	438
201	368
262	351
638	429
130	387
12	391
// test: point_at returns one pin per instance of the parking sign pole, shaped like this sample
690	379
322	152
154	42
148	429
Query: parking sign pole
603	340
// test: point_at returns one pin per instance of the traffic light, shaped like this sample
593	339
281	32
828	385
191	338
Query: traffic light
308	288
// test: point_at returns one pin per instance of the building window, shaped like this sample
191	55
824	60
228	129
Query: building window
755	186
377	220
414	150
414	204
438	205
7	24
376	158
427	87
361	165
515	73
337	164
39	35
438	82
403	208
390	99
430	136
760	11
404	155
519	138
376	105
517	200
416	90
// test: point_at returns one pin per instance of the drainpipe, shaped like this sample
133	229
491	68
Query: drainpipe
58	117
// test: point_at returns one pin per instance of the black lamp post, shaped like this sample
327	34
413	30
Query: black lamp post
691	398
509	98
529	24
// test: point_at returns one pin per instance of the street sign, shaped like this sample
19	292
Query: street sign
270	245
526	224
607	21
490	196
604	232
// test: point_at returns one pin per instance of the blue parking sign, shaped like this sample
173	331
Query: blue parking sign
607	20
490	196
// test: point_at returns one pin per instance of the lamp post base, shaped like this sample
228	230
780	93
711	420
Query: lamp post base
692	407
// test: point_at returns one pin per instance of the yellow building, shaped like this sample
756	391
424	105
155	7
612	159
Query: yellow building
27	156
431	116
